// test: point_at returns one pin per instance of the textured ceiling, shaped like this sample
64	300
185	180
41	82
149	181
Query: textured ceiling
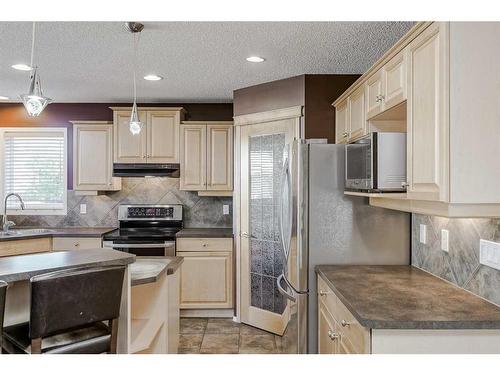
200	61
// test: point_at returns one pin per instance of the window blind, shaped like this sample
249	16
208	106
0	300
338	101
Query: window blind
34	167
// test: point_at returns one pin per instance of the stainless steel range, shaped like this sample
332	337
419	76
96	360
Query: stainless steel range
146	230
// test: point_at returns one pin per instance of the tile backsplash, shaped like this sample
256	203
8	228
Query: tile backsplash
102	210
461	264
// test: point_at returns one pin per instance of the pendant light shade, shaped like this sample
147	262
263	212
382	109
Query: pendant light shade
135	125
34	101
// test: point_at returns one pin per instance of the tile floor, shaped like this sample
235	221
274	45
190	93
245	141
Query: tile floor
223	336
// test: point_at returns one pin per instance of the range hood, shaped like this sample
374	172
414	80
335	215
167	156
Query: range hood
145	169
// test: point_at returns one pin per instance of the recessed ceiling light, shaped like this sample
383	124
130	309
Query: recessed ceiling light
152	77
255	59
23	67
4	98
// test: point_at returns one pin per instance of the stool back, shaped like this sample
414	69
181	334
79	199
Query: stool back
73	298
3	290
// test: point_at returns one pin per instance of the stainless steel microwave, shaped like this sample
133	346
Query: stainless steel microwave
376	163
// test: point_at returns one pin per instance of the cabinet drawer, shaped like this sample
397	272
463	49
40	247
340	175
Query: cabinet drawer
204	244
357	337
75	243
26	246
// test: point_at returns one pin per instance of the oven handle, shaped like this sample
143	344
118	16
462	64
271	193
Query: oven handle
138	245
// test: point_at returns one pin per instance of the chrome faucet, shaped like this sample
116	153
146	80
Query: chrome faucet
6	224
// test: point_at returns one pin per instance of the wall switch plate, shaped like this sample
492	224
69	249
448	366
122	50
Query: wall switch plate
423	233
489	253
445	235
83	208
225	209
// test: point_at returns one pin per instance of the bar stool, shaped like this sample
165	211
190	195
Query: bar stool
3	290
69	312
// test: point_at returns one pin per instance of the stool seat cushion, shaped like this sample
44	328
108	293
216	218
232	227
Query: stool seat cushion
92	339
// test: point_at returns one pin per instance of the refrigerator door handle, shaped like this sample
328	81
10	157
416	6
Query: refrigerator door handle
286	178
283	291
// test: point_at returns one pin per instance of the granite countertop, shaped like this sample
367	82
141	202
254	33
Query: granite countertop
171	265
405	297
205	233
32	232
23	267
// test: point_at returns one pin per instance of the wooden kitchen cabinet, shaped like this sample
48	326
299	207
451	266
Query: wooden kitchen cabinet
207	157
158	141
374	92
25	246
75	243
427	122
193	157
395	81
328	336
342	126
206	275
357	115
93	157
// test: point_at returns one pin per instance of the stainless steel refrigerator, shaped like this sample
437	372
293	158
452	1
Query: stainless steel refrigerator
319	224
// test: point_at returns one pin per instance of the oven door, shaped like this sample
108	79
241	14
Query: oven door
358	164
149	249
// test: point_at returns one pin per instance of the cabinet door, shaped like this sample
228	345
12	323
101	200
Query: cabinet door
427	115
129	148
206	280
342	122
220	157
193	157
357	114
163	136
93	157
395	80
374	94
327	336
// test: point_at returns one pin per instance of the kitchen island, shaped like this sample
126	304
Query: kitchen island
17	271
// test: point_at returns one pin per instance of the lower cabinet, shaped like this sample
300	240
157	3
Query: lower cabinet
25	246
206	275
75	243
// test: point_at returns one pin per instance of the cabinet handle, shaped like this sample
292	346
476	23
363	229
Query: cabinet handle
405	184
245	234
344	323
345	134
144	156
77	244
204	245
322	293
332	335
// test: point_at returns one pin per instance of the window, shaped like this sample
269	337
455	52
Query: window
34	166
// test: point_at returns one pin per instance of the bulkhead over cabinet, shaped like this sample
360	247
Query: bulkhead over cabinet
158	141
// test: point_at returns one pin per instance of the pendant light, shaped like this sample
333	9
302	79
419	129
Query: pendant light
135	125
34	101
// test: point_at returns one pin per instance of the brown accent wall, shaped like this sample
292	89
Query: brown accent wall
321	90
60	115
316	92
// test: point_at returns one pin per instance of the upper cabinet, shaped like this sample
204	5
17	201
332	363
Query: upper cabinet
93	157
439	84
158	142
207	157
427	120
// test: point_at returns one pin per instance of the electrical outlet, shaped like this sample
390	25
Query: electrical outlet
445	235
423	233
489	253
83	208
225	209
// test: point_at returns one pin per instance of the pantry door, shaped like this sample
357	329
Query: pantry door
261	163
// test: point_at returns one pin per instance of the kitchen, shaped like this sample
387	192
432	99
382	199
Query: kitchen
347	212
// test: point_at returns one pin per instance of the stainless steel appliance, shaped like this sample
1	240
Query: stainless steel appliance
376	163
321	225
145	170
146	230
